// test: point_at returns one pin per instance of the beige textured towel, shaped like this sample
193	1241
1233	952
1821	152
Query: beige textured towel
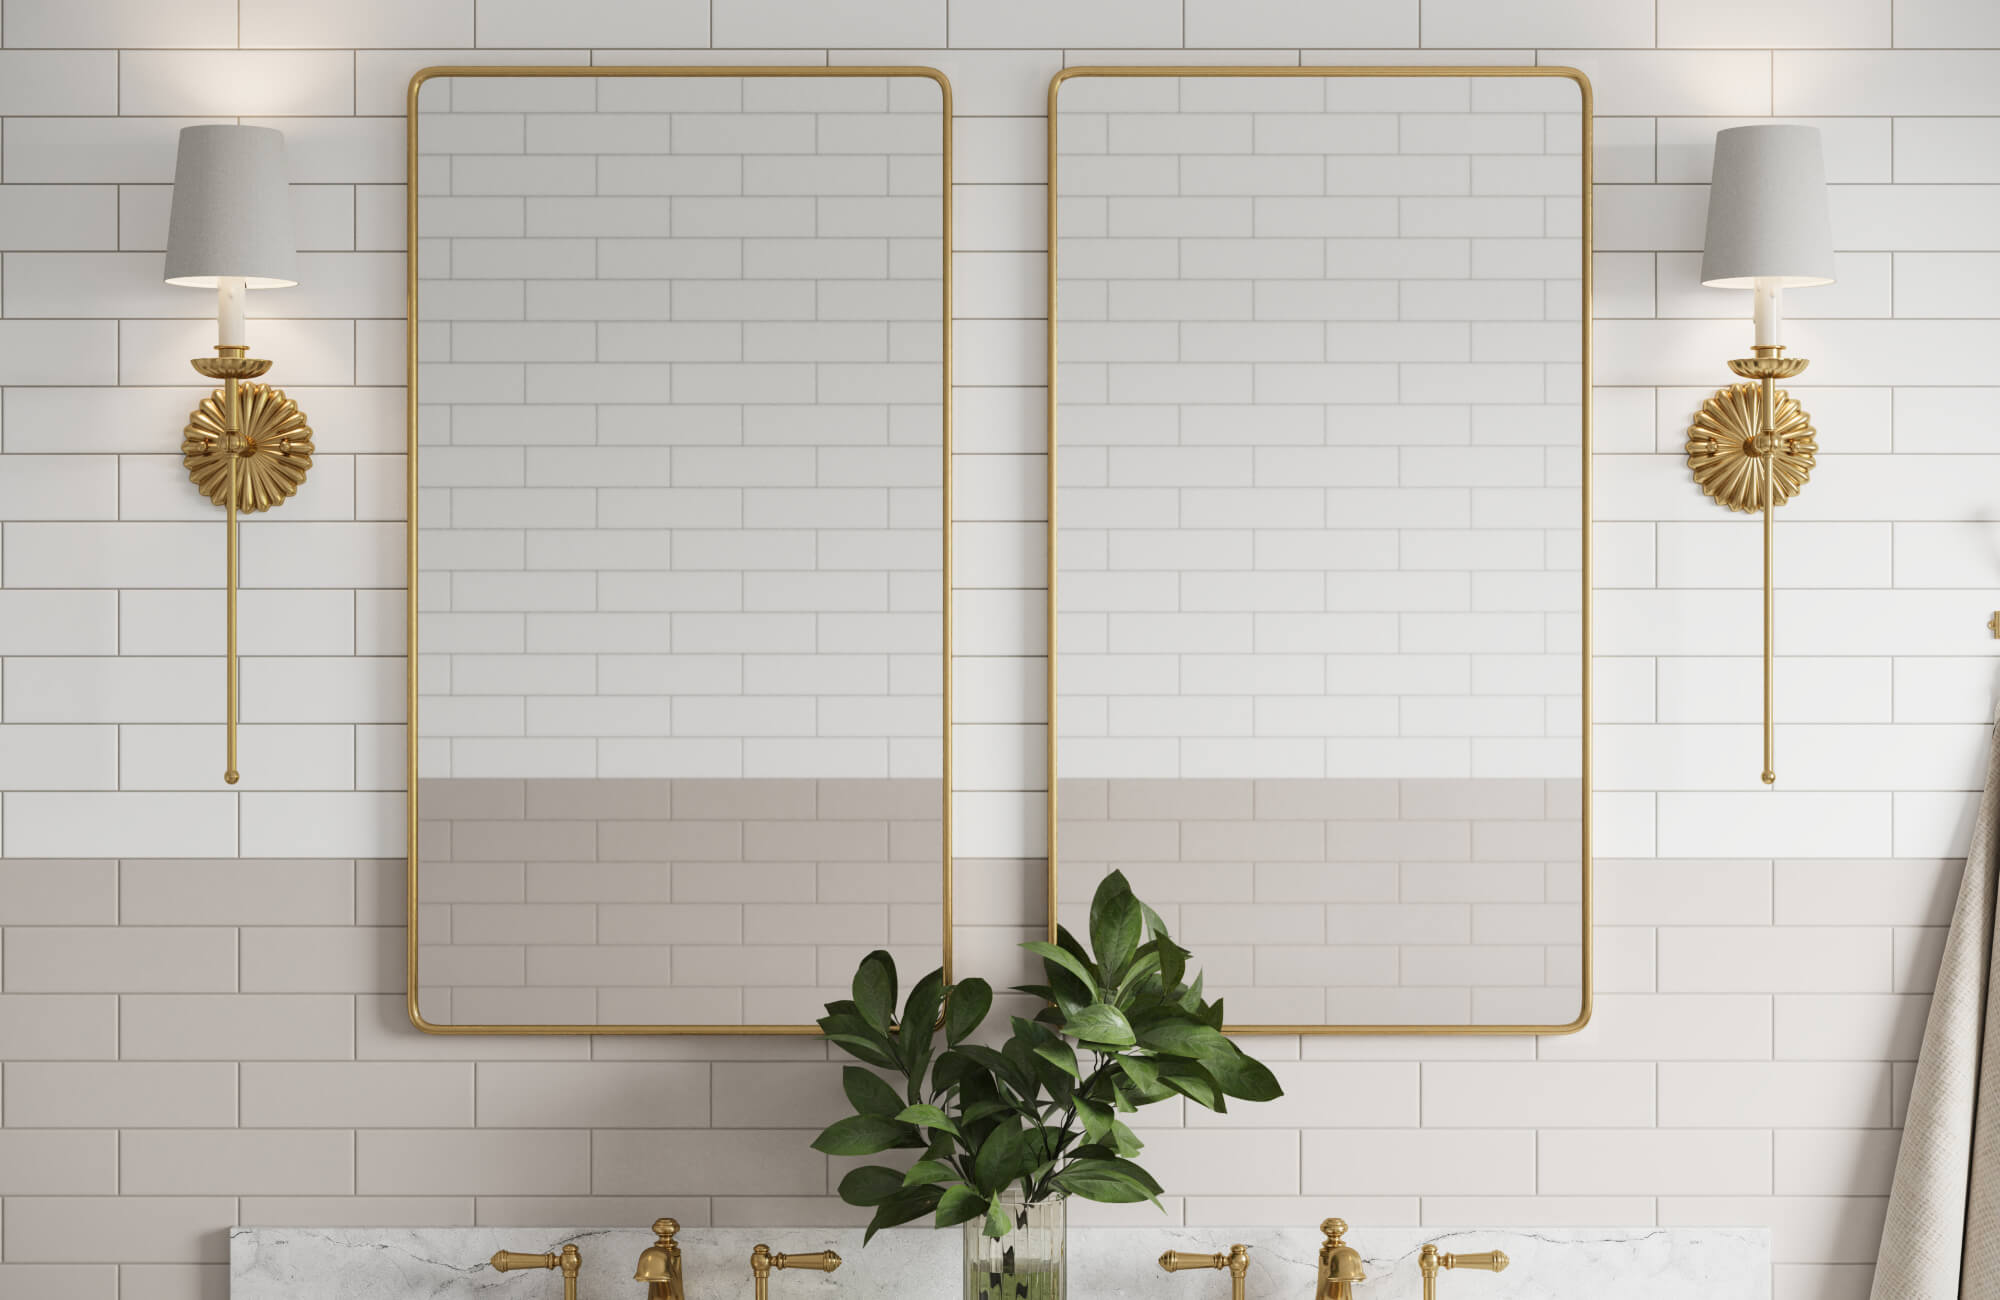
1942	1236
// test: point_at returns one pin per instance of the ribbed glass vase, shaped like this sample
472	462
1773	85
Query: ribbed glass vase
1030	1263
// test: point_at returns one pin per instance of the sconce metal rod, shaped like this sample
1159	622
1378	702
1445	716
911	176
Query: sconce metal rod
1770	440
232	440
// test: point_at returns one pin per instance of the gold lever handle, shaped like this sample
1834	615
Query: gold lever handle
763	1259
1236	1259
569	1260
1493	1261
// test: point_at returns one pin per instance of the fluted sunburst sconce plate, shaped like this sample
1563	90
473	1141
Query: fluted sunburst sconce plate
1722	454
276	453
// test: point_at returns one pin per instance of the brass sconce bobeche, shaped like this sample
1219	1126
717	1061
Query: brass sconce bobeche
247	446
1751	448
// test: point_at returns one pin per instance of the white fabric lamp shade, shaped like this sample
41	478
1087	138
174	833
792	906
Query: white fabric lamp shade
232	209
1767	214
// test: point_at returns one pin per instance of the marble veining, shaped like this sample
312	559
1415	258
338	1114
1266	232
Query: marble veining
1105	1263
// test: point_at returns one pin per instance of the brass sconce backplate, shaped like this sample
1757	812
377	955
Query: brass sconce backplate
1723	454
276	449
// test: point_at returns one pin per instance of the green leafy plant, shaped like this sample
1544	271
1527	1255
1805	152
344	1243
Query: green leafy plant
1123	1028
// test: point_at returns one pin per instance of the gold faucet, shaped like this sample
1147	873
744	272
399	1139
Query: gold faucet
1236	1260
570	1261
1339	1264
762	1261
1430	1261
660	1263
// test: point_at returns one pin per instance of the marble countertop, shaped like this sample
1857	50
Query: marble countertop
1105	1263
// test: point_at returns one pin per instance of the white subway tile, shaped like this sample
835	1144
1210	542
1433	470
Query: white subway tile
1843	24
1401	1162
142	23
44	824
1558	22
1659	1162
1815	959
1299	22
269	83
298	24
1537	1095
667	25
1780	1094
1906	82
58	83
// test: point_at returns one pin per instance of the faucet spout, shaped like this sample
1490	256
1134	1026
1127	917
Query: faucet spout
1339	1264
660	1263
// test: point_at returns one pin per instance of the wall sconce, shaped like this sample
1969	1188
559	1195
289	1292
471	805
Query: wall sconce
1751	448
246	447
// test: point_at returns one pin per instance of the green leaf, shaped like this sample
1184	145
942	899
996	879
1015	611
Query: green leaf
1142	1071
1171	1034
1115	926
1010	1072
1097	1120
875	990
869	1093
864	1135
870	1185
999	1158
1050	953
857	1037
959	1204
1123	1140
919	1028
1242	1075
913	1203
967	1006
865	1049
926	1116
1100	1022
1173	963
1119	1182
998	1222
1062	1056
1193	1082
929	1171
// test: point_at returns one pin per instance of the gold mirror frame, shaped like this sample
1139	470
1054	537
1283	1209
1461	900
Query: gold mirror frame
411	232
1583	86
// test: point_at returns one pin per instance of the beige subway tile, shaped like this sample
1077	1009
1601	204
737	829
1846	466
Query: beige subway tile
58	892
1773	1094
381	891
916	841
665	923
151	1230
1394	1006
741	882
70	1281
59	1027
58	1162
1779	959
1338	799
699	1162
51	1094
1255	841
1540	1211
1387	923
898	800
816	841
824	923
356	1211
598	965
1655	891
901	882
599	799
1537	1094
523	923
436	1162
1539	841
357	1094
675	841
596	882
324	959
1187	883
1866	892
468	798
1473	965
1360	841
1474	882
786	1212
1408	1162
674	1006
246	891
106	959
1252	923
1656	1162
1492	799
763	966
1323	966
1082	800
523	841
1527	923
1117	842
440	880
235	1162
595	1094
764	1095
743	800
1164	800
1328	882
235	1027
451	965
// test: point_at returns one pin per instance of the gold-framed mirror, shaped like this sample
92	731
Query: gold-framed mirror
679	477
1319	578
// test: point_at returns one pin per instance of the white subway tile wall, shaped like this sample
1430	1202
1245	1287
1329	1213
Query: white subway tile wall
1751	938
